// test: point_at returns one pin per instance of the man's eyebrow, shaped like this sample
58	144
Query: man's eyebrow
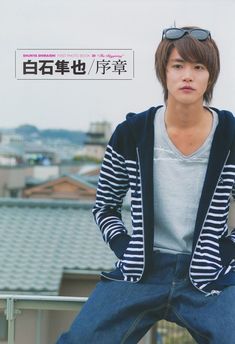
177	60
181	60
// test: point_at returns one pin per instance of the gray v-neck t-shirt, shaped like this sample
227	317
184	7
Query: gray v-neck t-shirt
178	182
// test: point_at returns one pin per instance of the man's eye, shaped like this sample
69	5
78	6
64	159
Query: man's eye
177	66
200	67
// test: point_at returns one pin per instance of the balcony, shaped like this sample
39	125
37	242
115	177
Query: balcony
14	305
31	328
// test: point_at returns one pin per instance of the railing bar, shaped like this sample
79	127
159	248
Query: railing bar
42	298
45	305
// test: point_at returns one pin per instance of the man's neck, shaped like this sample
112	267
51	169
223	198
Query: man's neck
188	126
185	117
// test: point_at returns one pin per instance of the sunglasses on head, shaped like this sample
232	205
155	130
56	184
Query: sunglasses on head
175	33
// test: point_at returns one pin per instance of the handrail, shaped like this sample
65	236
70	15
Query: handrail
12	304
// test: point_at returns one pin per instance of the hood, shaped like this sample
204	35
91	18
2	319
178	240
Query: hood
141	124
227	125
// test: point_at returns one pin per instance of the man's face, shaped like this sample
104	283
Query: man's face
186	81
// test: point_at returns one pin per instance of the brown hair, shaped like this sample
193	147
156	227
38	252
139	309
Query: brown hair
191	50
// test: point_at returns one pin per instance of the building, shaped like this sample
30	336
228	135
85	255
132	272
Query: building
64	187
38	154
10	137
97	138
10	156
15	179
12	181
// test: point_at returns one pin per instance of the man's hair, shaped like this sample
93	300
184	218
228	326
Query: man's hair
191	50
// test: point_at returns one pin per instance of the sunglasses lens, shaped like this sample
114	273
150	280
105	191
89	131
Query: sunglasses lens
174	33
200	34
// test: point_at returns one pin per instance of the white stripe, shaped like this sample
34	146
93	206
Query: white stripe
209	242
221	194
218	215
216	222
111	148
205	261
208	248
219	208
207	255
112	177
204	267
112	170
131	262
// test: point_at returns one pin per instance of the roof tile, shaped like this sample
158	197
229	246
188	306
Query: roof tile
40	239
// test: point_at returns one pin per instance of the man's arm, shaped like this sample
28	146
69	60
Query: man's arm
112	188
227	244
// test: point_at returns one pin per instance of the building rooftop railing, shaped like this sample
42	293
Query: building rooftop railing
13	304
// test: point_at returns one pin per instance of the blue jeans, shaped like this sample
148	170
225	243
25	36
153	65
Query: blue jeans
122	312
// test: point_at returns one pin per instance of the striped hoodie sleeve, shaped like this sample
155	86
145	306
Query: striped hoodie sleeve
112	187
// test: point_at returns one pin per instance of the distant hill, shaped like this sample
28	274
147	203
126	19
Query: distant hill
30	132
27	130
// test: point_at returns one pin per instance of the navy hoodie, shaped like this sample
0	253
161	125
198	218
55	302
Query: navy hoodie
128	164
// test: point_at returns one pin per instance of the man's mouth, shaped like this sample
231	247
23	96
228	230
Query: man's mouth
187	88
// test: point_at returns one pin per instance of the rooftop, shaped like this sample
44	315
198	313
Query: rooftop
42	239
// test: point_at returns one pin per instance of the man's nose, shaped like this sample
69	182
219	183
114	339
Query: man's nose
188	74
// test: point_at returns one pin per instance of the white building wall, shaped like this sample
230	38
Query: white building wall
42	172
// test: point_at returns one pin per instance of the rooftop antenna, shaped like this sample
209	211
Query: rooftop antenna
174	23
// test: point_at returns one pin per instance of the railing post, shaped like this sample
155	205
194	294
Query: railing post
10	316
10	313
38	327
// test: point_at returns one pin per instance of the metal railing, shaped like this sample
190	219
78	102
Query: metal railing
13	304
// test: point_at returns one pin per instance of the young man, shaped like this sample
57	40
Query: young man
178	160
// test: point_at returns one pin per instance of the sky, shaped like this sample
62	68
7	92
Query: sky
101	24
